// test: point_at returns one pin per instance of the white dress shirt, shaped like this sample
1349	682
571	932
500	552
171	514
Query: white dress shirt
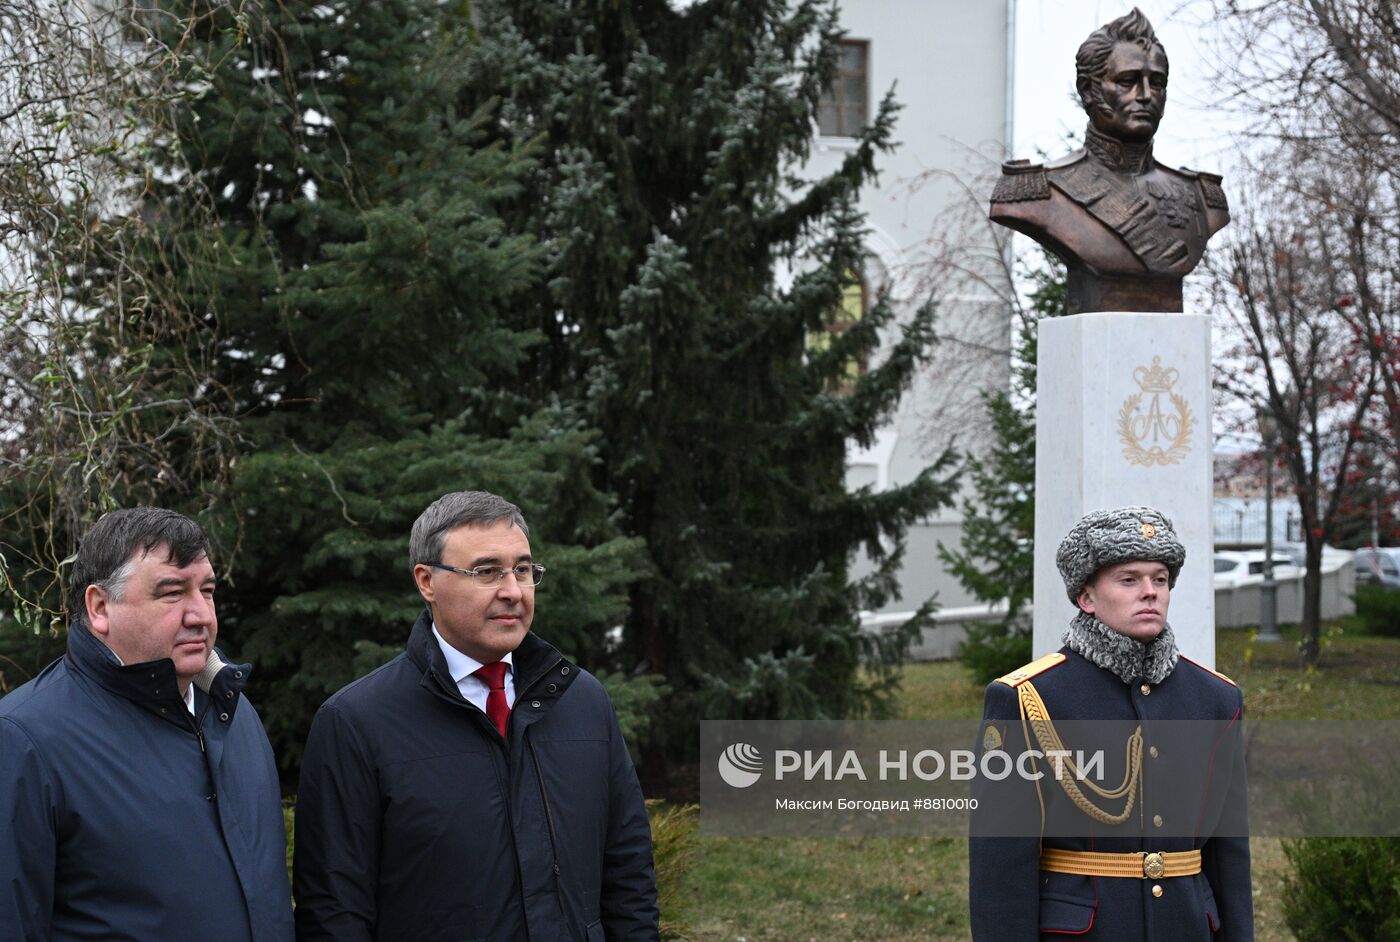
463	668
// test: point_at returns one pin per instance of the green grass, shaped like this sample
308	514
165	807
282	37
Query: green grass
939	690
875	888
1357	676
916	889
791	889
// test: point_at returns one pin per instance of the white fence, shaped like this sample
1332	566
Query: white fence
1236	606
1239	604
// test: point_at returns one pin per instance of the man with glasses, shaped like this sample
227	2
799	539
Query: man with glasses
477	786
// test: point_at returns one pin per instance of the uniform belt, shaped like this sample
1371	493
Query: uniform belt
1142	865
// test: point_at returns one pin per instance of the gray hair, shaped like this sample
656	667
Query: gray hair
458	509
1092	57
108	553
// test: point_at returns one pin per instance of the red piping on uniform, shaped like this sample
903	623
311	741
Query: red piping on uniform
1210	767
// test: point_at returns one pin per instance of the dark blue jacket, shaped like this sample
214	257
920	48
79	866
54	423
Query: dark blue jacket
126	820
417	822
1194	797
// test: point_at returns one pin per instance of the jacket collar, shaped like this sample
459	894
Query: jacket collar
1120	156
1119	654
530	662
153	685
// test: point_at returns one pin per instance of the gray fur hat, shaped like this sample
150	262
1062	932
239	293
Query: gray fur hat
1105	537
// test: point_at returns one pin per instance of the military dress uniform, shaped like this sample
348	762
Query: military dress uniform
1112	211
1161	852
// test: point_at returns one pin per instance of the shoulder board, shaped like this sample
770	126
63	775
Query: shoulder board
1209	671
1211	189
1021	181
1039	666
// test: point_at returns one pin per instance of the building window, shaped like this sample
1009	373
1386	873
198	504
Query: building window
844	106
847	313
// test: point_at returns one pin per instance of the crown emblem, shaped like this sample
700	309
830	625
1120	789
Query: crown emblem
1155	379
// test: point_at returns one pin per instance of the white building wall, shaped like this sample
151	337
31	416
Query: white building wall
949	63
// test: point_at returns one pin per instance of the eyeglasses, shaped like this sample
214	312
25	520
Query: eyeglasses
488	577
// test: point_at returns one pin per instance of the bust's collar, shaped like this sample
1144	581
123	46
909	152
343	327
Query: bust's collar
1120	156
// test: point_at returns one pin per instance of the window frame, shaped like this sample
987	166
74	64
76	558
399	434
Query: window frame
842	128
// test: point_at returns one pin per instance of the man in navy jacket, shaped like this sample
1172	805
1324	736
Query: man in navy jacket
477	786
137	788
1154	845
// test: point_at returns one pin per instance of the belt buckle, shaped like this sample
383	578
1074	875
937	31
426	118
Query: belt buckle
1153	867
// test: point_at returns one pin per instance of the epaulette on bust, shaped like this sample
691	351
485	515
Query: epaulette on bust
1021	181
1209	671
1211	189
1039	666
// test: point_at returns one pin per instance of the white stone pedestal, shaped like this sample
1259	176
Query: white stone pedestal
1123	405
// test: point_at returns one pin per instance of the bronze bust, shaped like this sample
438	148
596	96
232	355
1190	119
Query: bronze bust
1128	228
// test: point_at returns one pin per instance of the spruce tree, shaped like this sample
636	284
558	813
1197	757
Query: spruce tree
670	189
356	277
995	560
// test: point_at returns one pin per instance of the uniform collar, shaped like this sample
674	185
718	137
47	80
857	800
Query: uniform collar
1119	654
1120	156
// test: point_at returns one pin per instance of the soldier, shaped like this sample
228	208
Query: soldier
1161	853
1128	228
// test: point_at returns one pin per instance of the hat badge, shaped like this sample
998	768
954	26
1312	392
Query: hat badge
1148	530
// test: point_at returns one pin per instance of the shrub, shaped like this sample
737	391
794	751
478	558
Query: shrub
1378	610
993	649
1343	889
674	830
289	822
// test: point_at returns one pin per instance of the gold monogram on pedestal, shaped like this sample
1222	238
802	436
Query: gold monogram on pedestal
1154	431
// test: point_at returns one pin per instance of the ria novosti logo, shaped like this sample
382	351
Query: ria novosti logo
740	765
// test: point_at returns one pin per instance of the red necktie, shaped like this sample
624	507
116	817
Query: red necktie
497	710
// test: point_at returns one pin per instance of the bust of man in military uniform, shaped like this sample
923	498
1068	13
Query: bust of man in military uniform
1128	228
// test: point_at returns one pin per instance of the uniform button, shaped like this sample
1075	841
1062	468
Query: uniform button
535	704
1152	752
1146	690
563	670
1157	889
1157	820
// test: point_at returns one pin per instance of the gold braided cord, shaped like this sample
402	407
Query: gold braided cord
1067	773
1049	739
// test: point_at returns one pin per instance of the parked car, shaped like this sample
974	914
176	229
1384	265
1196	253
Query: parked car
1378	566
1233	566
